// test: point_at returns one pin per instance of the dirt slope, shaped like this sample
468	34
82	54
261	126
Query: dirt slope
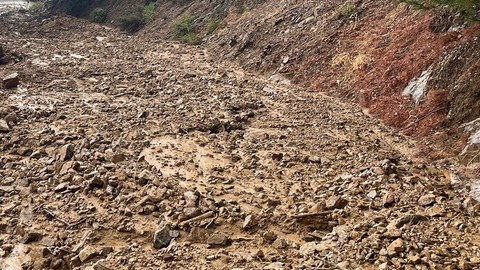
126	152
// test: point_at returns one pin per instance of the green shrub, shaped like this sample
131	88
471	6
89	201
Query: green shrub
98	15
186	31
212	25
131	23
184	26
345	11
468	8
37	6
192	39
149	11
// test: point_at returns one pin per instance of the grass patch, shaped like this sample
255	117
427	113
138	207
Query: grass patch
212	25
468	8
149	12
186	31
131	23
38	6
347	10
98	15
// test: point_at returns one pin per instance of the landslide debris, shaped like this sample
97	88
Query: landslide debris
133	153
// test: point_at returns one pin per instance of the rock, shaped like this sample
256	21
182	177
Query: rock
191	212
275	266
162	237
100	266
280	244
395	247
87	253
11	118
191	198
413	258
4	126
372	194
336	202
269	236
117	158
249	222
31	237
388	199
427	200
11	81
409	219
218	240
65	152
61	187
343	265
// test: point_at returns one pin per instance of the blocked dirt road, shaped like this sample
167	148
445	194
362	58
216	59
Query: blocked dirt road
120	152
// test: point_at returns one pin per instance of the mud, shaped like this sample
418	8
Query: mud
118	143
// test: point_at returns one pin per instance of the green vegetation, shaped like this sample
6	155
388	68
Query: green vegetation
149	12
212	25
468	8
131	23
98	15
37	6
345	11
186	30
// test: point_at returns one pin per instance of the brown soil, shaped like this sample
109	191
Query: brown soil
114	139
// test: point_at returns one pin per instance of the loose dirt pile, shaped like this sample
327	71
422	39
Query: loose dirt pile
123	152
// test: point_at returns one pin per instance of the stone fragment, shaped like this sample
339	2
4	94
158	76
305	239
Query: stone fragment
31	237
117	158
388	199
162	237
4	127
427	200
395	247
65	152
11	81
218	240
336	202
280	244
87	253
249	222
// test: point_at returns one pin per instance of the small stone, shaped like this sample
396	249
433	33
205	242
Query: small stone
100	266
249	222
87	253
31	237
11	81
269	236
388	199
414	258
162	237
275	266
11	118
336	202
65	152
436	211
218	240
280	244
372	194
117	158
4	126
258	254
395	247
427	200
343	265
61	187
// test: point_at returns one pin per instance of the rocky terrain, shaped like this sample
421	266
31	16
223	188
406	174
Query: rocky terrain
129	152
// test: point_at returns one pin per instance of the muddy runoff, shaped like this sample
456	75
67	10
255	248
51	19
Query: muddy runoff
124	152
